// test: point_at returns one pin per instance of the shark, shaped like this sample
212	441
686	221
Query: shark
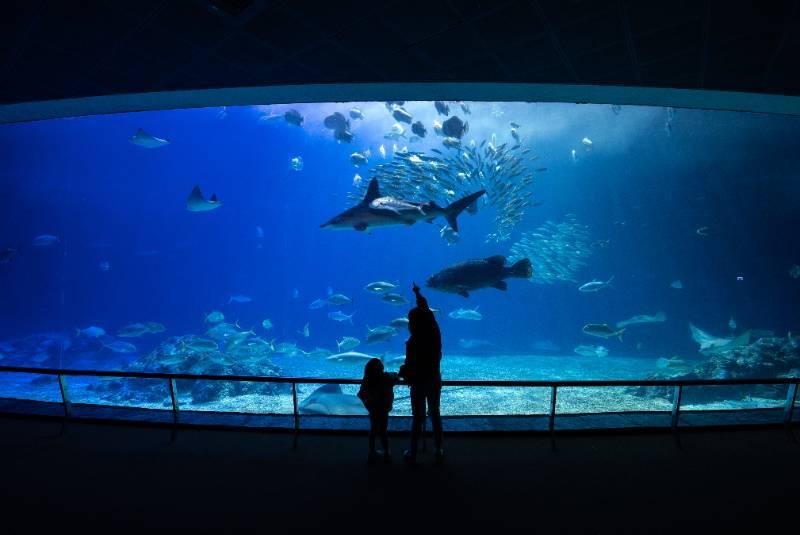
197	203
710	344
378	211
145	140
330	400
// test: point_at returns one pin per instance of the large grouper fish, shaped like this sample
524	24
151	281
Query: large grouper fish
479	273
377	211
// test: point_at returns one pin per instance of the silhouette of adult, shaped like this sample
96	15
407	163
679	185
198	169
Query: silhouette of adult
421	371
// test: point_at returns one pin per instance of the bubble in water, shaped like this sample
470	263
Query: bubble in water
296	163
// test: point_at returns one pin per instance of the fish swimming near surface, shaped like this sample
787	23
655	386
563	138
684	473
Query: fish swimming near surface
710	344
466	314
330	400
591	351
595	285
470	275
197	203
145	140
601	330
377	211
293	117
659	317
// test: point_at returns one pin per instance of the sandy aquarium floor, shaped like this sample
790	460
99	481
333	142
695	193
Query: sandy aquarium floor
455	400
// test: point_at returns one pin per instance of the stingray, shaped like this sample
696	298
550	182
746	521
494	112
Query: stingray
145	140
330	400
197	203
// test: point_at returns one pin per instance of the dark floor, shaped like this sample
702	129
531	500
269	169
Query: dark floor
114	477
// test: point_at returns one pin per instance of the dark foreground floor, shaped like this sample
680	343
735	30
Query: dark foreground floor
109	477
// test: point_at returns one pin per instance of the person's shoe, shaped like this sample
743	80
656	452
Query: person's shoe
439	456
409	457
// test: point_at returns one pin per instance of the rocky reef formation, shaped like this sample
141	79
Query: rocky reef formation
766	358
192	355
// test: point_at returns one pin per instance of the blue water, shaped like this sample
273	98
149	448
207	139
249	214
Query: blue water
108	200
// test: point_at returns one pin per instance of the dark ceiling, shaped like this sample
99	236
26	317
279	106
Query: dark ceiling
67	49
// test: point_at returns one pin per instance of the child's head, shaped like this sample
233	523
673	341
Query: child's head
373	368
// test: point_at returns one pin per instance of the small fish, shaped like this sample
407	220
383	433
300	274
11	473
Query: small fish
419	129
295	293
574	154
587	144
356	113
305	332
601	330
358	159
215	316
347	343
442	108
259	232
45	240
466	314
296	163
91	331
659	317
266	324
703	231
379	287
449	235
120	347
293	117
317	303
395	299
356	179
339	299
595	285
338	315
732	324
677	284
105	265
380	334
601	244
399	323
153	327
133	330
591	351
238	298
382	151
402	115
146	141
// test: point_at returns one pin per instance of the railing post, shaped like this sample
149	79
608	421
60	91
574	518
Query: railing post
676	405
791	396
552	424
294	405
173	392
62	385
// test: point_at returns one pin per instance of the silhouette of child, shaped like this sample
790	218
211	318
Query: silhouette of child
377	394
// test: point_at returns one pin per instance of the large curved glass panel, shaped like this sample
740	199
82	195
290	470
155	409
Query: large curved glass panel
604	242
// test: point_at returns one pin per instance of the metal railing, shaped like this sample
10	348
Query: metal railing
171	378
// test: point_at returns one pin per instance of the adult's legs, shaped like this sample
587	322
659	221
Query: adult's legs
383	431
374	422
418	413
434	396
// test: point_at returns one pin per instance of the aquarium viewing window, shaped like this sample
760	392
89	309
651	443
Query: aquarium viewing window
649	248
